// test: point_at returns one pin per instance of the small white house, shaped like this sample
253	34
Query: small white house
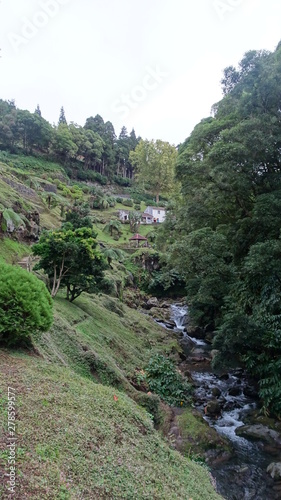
124	215
154	215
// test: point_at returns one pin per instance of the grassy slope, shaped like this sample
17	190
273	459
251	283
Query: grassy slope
71	429
98	335
11	251
75	441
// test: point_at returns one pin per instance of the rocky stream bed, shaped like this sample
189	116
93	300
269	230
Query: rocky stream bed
246	463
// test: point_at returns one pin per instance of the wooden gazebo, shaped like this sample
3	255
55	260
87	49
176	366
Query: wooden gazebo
138	237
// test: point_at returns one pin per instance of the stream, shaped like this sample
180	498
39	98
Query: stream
243	475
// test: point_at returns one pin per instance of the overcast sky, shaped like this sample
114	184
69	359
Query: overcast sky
154	65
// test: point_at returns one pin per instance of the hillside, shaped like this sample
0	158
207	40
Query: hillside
77	439
81	421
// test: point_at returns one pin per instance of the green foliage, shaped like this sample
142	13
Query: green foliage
127	202
122	181
154	163
164	380
11	220
114	228
78	216
25	306
71	259
224	233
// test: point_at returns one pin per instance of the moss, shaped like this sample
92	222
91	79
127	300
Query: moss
197	436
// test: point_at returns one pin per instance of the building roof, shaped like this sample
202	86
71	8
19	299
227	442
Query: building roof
138	237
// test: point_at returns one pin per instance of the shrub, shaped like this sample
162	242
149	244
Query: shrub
128	203
25	305
122	181
164	380
119	200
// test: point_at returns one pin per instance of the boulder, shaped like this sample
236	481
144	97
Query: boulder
234	391
152	302
216	392
213	408
165	305
274	470
261	433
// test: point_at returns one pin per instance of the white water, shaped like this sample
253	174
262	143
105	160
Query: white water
179	315
243	477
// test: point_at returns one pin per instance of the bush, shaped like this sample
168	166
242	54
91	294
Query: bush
164	380
122	181
25	305
127	202
119	200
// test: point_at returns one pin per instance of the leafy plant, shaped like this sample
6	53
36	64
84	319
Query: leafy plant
164	380
25	305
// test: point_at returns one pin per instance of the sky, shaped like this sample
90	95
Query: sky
151	65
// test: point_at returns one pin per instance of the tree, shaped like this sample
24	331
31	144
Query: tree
25	306
225	238
113	227
135	220
112	254
71	259
38	111
78	216
63	144
62	119
155	163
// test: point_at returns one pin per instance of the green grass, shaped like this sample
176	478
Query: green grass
25	164
77	439
11	251
101	335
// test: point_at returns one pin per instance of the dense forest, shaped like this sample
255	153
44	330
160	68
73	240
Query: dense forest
91	149
223	232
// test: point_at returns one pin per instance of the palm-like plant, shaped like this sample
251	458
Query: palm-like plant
113	226
113	254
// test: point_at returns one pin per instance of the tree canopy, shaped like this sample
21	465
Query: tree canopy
25	305
155	163
71	259
226	225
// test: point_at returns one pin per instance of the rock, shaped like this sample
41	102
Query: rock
170	325
152	302
251	392
174	431
209	337
197	333
234	391
198	359
213	408
274	470
165	305
216	392
260	432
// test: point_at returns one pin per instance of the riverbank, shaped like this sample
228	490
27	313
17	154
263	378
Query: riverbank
246	463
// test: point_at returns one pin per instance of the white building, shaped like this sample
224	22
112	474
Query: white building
124	215
154	215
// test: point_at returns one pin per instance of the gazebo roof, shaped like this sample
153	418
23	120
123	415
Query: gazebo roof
138	237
